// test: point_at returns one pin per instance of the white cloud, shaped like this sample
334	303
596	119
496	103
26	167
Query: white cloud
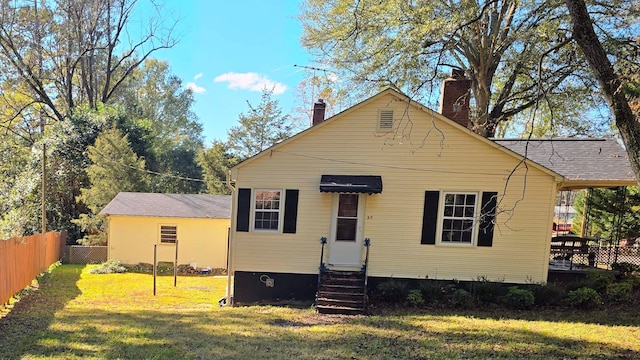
251	81
198	76
195	88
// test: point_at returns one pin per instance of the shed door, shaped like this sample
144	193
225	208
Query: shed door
345	242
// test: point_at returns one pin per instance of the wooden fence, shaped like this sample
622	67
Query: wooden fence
23	259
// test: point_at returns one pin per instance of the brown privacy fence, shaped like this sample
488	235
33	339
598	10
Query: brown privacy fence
23	259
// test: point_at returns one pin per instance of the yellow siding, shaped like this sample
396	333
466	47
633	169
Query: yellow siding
427	154
203	241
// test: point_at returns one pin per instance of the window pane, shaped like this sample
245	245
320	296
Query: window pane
267	200
348	205
468	211
266	212
346	230
458	211
459	216
447	235
456	224
471	199
467	225
266	220
448	210
449	199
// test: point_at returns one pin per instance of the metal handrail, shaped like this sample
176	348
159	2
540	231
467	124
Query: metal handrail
367	244
323	241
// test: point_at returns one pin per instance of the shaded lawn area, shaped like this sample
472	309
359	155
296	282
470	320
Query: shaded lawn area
75	315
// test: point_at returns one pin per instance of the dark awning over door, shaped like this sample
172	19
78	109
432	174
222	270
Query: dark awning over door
370	184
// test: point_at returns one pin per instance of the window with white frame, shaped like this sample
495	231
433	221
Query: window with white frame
266	214
168	234
458	218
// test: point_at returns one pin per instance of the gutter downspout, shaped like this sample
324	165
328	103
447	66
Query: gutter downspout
230	239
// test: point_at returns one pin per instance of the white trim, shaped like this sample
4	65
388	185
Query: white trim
279	211
441	218
338	247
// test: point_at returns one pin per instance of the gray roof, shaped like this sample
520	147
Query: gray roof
578	160
170	205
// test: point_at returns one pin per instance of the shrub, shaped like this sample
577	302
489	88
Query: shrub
108	267
584	298
415	298
461	298
485	291
625	269
392	291
599	280
547	294
619	292
433	291
634	280
521	299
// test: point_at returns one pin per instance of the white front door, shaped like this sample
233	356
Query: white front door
345	241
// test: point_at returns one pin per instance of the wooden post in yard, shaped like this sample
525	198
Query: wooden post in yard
175	267
155	264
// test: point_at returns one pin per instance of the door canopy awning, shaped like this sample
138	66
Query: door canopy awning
369	184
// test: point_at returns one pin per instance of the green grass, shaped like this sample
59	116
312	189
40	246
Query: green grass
75	315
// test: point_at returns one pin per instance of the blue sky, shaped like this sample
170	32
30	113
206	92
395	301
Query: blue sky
229	50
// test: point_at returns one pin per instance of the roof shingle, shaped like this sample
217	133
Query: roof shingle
170	205
576	159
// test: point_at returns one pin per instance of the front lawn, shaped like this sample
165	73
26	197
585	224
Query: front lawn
75	315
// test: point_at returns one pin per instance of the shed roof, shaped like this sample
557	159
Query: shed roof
170	205
583	162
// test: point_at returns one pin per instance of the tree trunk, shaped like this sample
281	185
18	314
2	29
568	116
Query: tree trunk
627	121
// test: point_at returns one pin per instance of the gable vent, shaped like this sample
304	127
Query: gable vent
385	120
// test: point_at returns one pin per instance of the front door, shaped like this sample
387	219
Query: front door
345	242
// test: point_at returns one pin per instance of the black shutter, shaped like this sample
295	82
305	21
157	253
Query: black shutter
244	209
290	212
487	217
430	217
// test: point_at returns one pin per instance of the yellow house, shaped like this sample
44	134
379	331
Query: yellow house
387	189
198	224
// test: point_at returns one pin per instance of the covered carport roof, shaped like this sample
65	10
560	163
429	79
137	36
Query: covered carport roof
583	162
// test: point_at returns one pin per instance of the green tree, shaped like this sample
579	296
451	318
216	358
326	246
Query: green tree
71	52
604	209
59	61
516	53
215	162
153	96
19	182
263	126
619	81
115	168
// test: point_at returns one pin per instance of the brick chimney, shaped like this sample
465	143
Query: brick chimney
318	112
454	97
